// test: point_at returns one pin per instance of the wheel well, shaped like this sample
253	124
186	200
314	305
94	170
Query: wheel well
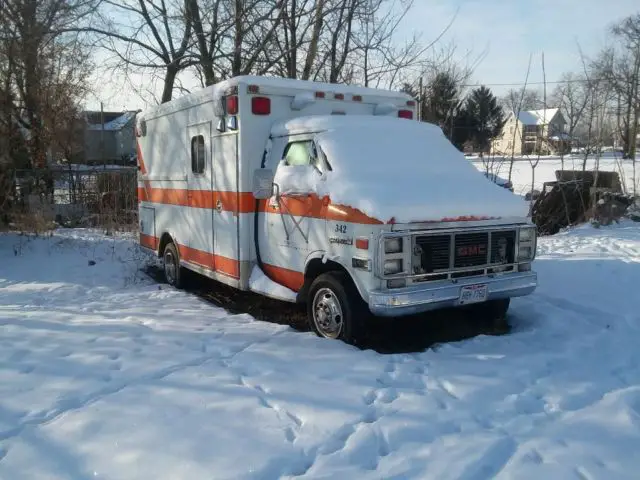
315	268
164	240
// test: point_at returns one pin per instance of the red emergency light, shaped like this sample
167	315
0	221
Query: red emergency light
232	105
260	105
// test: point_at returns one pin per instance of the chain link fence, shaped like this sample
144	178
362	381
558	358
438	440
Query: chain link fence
72	195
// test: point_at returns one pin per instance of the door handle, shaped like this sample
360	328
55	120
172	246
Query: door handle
219	206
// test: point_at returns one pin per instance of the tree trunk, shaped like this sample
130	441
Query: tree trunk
315	38
169	80
238	38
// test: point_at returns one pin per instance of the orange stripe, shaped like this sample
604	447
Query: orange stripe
242	202
315	207
143	169
148	241
289	278
311	205
217	263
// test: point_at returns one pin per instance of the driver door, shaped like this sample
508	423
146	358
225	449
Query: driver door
294	218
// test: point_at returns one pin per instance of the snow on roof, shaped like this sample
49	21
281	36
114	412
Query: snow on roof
318	123
115	124
538	117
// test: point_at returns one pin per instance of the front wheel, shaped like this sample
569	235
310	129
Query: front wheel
335	309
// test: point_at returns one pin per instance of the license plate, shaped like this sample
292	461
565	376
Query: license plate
473	294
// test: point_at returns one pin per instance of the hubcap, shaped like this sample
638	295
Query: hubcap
170	267
327	313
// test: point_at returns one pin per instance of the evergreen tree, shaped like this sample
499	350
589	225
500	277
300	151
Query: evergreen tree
485	117
442	103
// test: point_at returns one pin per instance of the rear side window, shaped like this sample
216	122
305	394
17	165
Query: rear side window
197	154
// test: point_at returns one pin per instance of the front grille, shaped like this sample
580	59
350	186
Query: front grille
434	252
471	249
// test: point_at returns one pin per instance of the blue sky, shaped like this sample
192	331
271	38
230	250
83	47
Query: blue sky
507	31
510	30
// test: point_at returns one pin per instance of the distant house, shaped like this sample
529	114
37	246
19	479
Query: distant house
533	132
112	142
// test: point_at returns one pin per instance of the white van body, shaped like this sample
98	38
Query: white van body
266	184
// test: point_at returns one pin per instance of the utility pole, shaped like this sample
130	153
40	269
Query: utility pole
420	96
104	161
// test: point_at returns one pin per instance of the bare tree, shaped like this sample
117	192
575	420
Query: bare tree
149	35
534	162
46	68
516	106
620	67
523	98
572	97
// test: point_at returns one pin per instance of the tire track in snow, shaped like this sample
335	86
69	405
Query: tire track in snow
65	406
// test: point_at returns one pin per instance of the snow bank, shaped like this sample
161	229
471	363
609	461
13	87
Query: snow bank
108	376
408	170
260	283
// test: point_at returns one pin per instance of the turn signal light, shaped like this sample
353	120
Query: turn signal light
362	243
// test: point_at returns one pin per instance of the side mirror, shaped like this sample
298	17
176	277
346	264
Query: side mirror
263	183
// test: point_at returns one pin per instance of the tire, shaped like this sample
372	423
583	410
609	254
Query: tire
172	269
335	309
494	315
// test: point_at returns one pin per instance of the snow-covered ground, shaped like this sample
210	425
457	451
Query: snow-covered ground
106	374
547	166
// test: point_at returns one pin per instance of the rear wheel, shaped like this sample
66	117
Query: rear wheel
335	309
172	269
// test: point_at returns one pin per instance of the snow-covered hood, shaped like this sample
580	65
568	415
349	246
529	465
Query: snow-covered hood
409	171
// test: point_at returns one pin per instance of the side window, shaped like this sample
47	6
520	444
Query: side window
300	153
197	154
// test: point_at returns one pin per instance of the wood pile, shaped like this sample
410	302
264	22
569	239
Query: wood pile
577	196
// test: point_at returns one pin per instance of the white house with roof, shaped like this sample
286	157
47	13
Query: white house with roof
533	132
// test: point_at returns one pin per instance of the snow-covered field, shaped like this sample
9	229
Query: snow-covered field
106	374
547	166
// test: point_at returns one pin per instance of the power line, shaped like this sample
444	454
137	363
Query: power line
577	80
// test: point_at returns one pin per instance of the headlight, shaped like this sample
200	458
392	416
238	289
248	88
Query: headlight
392	266
527	234
526	244
525	252
393	245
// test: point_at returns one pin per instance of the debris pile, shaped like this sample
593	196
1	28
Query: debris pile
577	196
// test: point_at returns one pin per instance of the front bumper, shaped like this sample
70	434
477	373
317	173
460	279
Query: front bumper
446	293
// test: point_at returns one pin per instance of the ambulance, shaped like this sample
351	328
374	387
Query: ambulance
334	196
